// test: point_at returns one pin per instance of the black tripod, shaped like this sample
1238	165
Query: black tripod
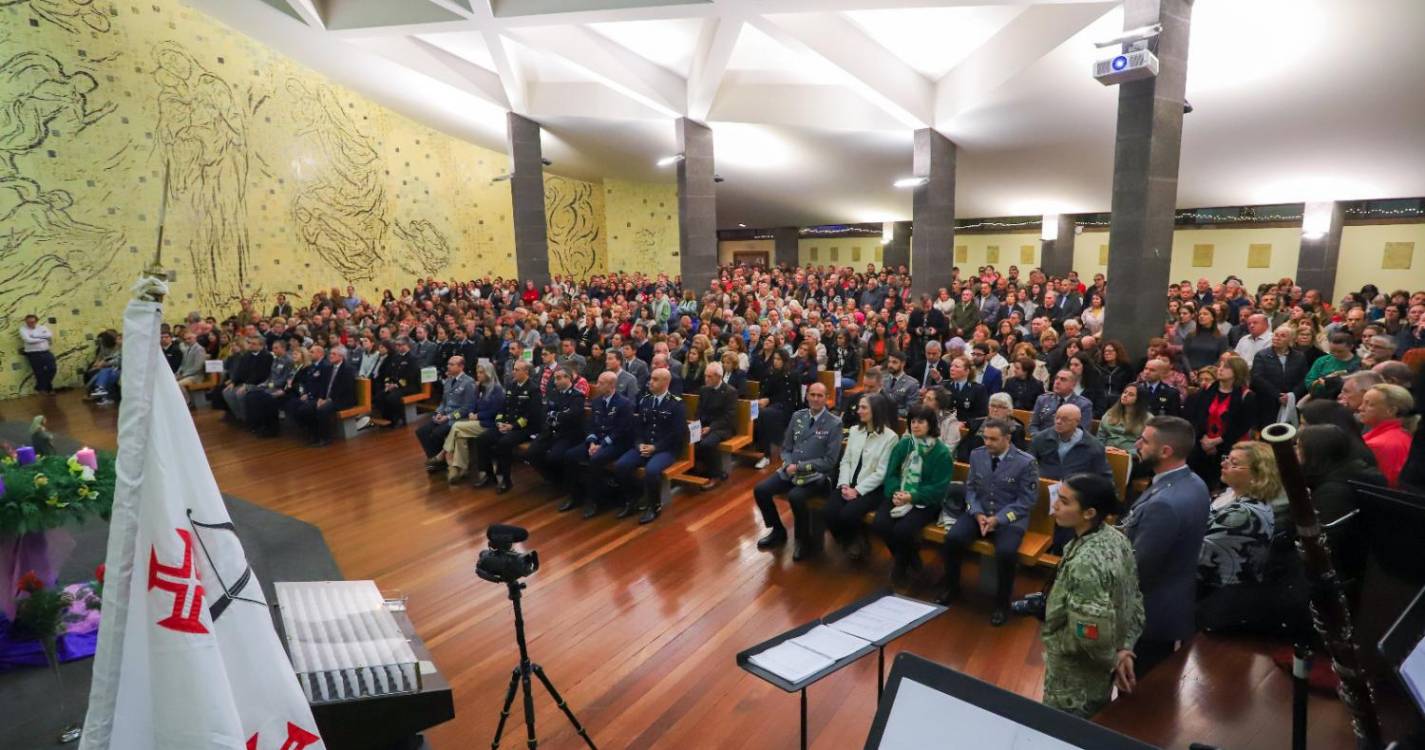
520	677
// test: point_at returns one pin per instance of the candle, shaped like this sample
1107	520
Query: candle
87	457
25	455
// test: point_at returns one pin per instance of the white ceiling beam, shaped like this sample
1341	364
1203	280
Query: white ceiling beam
824	107
409	29
486	82
1028	37
716	41
585	99
429	60
308	11
610	63
872	72
512	78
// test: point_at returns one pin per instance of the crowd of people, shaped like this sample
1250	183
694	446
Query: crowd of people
585	381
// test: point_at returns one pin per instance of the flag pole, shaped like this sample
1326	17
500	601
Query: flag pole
155	269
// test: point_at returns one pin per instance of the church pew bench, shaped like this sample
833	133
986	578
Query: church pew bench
347	418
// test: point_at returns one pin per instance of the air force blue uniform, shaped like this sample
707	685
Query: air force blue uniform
662	422
1005	488
612	430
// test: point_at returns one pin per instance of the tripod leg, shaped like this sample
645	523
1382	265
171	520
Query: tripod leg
528	706
505	710
559	701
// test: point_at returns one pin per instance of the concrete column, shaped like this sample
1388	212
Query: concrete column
897	251
1320	247
1056	256
1147	148
697	206
527	196
932	241
786	240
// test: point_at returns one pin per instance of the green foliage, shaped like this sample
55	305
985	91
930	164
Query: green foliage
53	491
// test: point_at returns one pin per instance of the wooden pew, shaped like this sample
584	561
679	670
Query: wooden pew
750	389
347	417
415	399
1024	418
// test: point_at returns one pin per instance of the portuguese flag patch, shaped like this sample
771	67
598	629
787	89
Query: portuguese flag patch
1086	630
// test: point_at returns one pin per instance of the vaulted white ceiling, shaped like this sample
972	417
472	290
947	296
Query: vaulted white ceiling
812	102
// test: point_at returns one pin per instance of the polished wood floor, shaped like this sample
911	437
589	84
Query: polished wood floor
637	626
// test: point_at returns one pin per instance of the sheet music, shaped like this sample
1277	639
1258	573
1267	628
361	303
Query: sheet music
830	642
880	618
791	662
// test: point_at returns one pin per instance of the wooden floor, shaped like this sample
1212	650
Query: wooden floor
637	626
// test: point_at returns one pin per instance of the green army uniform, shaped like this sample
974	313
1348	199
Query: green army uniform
1094	610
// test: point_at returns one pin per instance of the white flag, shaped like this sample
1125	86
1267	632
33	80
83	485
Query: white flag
188	656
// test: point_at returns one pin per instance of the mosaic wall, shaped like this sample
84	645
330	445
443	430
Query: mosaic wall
278	179
642	221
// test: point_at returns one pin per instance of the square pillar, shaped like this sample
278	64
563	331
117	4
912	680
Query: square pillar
786	241
1320	247
1056	255
932	241
1147	150
897	251
697	206
527	198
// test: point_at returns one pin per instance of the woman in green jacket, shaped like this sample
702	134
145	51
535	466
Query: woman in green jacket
917	477
1094	612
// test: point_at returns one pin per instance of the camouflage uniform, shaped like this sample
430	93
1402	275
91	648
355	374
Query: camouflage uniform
1094	610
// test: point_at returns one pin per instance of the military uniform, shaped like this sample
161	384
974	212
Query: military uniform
401	373
457	401
1005	487
662	422
814	445
522	412
611	429
1094	610
903	391
1161	398
563	429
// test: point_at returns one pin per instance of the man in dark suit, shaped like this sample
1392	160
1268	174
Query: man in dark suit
1166	526
662	426
971	400
1162	398
518	419
717	413
283	309
1065	450
932	370
1000	494
610	436
985	373
926	323
563	429
399	376
251	371
1278	370
338	393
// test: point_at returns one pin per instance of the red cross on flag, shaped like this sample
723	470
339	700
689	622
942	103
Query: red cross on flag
188	657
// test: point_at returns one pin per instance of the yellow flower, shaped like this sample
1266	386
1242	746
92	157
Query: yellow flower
54	502
8	461
41	480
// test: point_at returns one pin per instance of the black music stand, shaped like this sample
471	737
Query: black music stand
935	696
743	657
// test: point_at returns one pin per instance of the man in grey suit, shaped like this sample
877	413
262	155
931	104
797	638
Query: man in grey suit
1062	392
1166	526
627	383
634	365
1001	491
810	452
900	388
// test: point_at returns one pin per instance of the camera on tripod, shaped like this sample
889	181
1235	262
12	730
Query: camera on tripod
500	563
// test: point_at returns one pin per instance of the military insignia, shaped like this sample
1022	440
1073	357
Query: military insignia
1086	630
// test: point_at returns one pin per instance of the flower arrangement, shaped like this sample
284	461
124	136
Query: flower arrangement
49	491
40	611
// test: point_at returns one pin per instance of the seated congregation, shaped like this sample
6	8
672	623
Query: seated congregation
994	418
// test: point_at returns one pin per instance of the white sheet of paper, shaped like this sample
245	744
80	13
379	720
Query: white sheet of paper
756	406
830	642
791	662
899	608
429	375
695	431
212	365
870	626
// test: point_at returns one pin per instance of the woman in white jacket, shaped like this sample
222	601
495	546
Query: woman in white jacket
863	468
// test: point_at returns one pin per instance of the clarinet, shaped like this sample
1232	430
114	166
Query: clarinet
1330	614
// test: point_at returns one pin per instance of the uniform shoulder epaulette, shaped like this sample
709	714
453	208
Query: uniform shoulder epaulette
676	397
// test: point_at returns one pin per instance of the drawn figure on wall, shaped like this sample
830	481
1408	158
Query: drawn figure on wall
648	245
37	92
66	14
573	230
430	251
202	135
341	207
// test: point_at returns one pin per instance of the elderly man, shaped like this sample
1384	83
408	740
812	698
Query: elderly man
1061	392
1166	525
662	431
519	418
1254	340
610	436
933	369
263	402
1000	493
625	382
1354	387
717	413
397	377
338	393
1064	451
252	369
457	399
810	451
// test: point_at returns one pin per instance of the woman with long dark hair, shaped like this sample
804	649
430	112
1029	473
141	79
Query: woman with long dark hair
863	471
781	396
1206	343
1222	415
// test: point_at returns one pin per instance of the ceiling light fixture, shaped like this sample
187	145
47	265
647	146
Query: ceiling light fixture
741	225
910	182
718	178
506	177
669	161
1316	219
1049	228
546	162
888	232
